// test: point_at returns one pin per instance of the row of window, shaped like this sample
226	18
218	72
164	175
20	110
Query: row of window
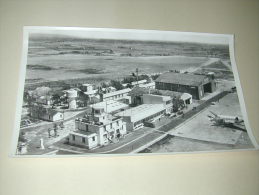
83	138
148	118
116	96
106	126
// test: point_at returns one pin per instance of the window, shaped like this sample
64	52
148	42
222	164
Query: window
118	123
73	137
93	138
83	139
111	125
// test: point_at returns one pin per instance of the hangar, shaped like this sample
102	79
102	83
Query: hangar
196	85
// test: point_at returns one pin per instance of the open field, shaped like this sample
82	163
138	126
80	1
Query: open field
94	67
57	58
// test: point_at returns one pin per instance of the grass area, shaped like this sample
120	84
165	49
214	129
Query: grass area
39	67
217	65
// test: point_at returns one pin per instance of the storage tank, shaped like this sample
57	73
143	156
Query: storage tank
72	103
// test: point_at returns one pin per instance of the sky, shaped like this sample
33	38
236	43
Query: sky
130	34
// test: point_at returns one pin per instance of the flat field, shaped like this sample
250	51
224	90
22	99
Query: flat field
59	58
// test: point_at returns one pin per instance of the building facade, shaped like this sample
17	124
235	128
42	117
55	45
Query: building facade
136	116
97	130
196	85
116	95
46	113
166	101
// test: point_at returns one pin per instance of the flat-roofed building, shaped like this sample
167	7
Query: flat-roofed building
148	85
97	130
196	85
109	106
187	98
86	87
136	116
116	95
166	101
138	82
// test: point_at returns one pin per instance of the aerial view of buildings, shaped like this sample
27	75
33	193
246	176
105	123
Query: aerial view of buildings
112	96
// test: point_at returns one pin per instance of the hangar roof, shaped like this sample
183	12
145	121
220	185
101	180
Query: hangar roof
141	112
181	78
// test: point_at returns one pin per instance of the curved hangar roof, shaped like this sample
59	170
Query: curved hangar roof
182	79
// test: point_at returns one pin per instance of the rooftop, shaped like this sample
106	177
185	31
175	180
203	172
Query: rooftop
165	98
181	78
142	111
186	96
139	82
87	84
109	106
147	84
106	95
91	121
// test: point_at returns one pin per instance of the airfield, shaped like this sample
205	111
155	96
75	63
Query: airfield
200	134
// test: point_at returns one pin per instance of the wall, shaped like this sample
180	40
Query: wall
209	173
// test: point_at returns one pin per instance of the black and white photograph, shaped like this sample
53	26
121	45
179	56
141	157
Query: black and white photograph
90	91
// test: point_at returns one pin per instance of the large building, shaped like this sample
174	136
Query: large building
46	113
97	130
154	106
166	101
109	106
196	85
116	95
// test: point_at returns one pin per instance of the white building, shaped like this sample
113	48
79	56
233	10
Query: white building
87	87
166	101
109	106
97	130
72	95
187	98
46	114
154	106
136	116
138	82
116	95
148	85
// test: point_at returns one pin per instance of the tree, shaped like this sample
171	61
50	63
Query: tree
56	99
83	99
177	104
42	91
117	85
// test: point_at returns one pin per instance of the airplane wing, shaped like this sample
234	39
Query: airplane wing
214	114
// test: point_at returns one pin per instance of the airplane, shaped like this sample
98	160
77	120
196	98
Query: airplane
228	121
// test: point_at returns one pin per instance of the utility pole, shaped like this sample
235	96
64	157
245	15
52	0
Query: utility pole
137	75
